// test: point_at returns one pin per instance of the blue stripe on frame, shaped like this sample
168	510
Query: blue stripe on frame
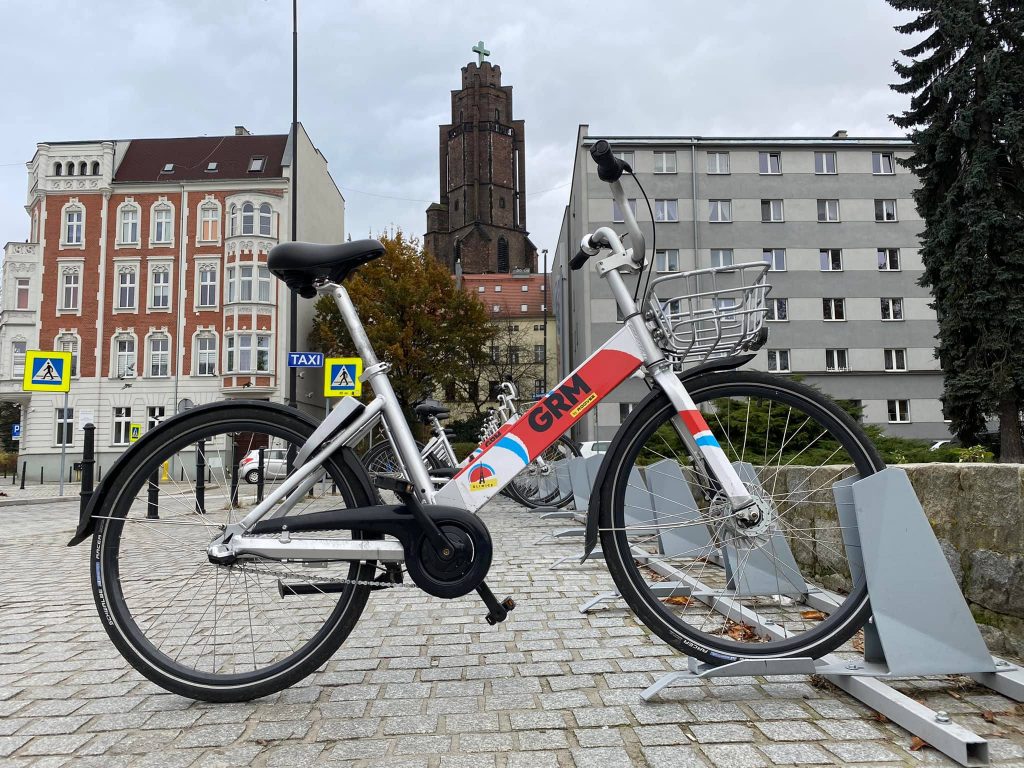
708	440
511	445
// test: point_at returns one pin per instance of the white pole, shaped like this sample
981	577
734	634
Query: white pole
64	443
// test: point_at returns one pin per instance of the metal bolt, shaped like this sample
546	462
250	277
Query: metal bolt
852	666
1001	663
942	716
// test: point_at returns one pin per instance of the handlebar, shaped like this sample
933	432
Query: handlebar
609	167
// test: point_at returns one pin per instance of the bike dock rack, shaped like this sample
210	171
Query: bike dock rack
920	623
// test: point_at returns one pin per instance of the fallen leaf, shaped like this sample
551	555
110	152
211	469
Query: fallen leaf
988	716
741	632
955	695
858	641
678	600
814	615
917	743
880	717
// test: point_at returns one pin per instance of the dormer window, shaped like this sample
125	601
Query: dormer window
256	163
168	168
211	167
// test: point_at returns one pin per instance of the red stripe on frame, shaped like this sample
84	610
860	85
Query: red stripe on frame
694	422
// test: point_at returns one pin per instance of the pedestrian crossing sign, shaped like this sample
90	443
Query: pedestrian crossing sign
134	432
47	371
341	376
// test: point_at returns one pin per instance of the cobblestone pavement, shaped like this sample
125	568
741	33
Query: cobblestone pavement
425	682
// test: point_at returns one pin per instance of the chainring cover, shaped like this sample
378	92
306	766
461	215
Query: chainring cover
463	572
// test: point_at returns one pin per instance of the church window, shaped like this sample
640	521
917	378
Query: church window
502	254
501	202
456	204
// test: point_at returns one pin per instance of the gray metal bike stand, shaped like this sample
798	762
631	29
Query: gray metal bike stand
921	624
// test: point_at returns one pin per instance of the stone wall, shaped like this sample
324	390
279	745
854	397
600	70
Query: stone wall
977	513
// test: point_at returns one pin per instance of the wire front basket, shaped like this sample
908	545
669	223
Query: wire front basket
709	313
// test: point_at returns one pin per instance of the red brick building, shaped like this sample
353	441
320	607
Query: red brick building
147	261
481	217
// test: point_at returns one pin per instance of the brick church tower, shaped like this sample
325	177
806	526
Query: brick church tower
481	216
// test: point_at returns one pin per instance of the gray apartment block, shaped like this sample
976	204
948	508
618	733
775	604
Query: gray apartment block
835	215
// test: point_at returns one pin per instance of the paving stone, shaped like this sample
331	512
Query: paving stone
601	757
291	755
600	716
531	740
415	724
533	760
719	732
486	742
280	731
209	735
795	753
862	753
858	730
734	755
536	719
659	735
781	730
673	757
55	745
598	737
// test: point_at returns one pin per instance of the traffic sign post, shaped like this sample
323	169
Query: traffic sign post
48	371
342	377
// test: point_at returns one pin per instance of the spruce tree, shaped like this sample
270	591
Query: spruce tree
966	119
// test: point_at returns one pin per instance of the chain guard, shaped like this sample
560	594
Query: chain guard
466	570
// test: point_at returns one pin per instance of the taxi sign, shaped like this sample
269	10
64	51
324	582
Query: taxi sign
134	432
305	359
341	376
47	371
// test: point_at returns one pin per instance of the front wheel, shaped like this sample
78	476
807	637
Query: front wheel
715	584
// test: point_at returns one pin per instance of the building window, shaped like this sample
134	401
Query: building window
776	258
895	359
263	283
503	263
525	288
885	210
245	278
624	410
617	212
209	223
263	354
769	163
266	219
778	310
625	156
233	220
899	411
830	260
718	162
240	348
58	169
828	210
208	286
720	210
538	388
159	356
248	219
73	224
125	358
888	259
95	168
69	290
665	162
162	216
882	163
126	289
69	344
524	307
206	356
892	309
21	293
18	357
256	164
824	162
836	360
65	426
231	271
666	260
666	210
771	211
833	309
497	289
122	426
154	415
778	360
721	257
129	226
538	353
160	291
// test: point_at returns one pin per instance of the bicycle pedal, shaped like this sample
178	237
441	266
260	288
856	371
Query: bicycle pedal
501	611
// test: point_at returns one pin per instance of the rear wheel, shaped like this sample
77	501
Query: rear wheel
218	632
710	583
536	485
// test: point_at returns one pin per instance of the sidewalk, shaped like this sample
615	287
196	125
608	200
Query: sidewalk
34	493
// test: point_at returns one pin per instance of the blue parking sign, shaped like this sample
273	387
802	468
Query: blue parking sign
15	431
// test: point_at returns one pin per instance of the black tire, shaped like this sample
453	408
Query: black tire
525	488
636	443
252	476
113	549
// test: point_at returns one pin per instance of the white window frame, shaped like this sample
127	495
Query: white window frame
18	369
66	417
73	206
204	268
131	358
152	353
722	257
720	211
827	263
877	167
128	206
22	287
71	342
828	307
825	155
120	425
891	359
661	158
212	356
664	258
73	270
771	210
206	206
775	252
617	215
664	208
902	411
894	302
885	213
126	269
840	360
773	304
625	155
264	285
885	262
716	168
160	268
265	214
254	343
161	207
778	361
767	155
830	210
246	283
251	214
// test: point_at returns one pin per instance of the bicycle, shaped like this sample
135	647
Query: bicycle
216	596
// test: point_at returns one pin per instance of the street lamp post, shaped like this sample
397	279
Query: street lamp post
544	307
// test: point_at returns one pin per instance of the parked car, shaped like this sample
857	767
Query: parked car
275	465
594	447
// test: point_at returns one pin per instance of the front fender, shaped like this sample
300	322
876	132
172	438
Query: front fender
722	364
87	521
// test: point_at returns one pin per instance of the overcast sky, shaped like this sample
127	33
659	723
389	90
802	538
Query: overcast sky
375	77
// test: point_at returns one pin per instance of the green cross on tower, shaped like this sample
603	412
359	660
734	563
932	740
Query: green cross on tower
480	51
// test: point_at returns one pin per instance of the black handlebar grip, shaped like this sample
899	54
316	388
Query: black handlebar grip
578	260
609	167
